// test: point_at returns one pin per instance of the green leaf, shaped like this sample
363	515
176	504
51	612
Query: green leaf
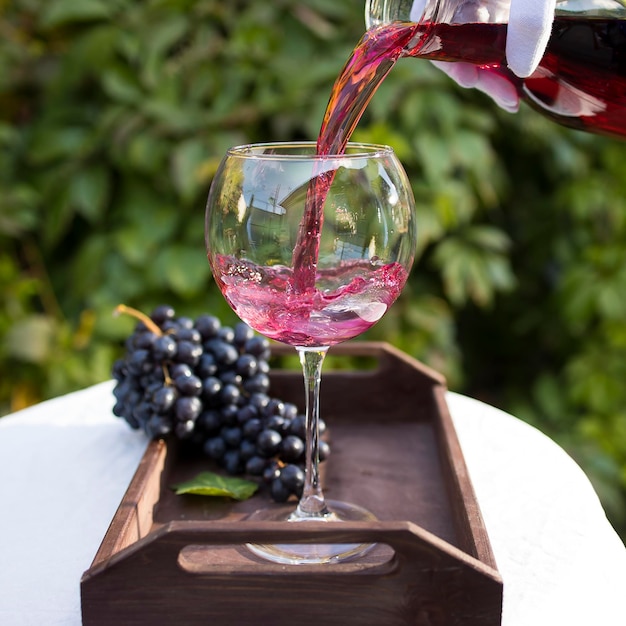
211	484
183	269
30	339
89	191
187	160
66	11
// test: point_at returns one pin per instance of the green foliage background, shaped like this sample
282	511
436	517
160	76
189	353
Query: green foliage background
114	115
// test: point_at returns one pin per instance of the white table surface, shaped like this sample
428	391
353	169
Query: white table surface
65	465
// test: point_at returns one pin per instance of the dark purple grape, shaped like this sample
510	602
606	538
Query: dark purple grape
297	426
158	426
292	477
180	369
268	442
164	348
162	313
142	412
231	461
207	365
226	333
209	421
189	334
243	333
291	410
252	428
231	377
130	420
184	322
188	352
274	407
230	394
145	340
231	435
189	385
119	409
259	346
255	466
163	399
324	450
184	429
259	383
132	398
224	353
279	491
187	408
247	449
277	423
123	388
258	400
208	326
119	370
246	413
170	327
291	449
152	381
228	414
271	471
214	448
211	387
140	362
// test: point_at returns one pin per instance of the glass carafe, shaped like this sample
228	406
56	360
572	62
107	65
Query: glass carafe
581	79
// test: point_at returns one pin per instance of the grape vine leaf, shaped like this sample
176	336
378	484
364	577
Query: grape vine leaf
211	484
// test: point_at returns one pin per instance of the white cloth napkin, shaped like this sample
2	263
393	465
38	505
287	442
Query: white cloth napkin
65	464
530	25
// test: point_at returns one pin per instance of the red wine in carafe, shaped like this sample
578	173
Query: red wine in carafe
580	81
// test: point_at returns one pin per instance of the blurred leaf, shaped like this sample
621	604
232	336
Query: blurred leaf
473	265
58	12
89	192
30	339
182	269
187	161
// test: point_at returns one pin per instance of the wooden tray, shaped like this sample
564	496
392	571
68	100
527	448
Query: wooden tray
169	559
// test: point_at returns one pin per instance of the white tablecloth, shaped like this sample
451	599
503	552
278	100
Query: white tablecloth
65	465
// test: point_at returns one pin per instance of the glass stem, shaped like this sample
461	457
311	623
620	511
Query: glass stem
312	502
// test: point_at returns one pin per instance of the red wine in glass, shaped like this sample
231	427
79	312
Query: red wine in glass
346	301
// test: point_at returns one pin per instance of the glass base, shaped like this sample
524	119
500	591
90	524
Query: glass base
306	553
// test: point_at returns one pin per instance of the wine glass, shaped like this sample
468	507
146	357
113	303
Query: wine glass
310	250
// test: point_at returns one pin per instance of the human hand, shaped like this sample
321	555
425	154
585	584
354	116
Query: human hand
528	32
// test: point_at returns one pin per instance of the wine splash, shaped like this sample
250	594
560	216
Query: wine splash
351	298
369	64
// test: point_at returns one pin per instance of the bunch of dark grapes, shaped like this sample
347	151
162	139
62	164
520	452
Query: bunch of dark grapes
208	385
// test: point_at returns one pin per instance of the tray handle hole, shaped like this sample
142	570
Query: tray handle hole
230	559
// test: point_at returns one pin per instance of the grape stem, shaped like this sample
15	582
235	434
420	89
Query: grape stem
142	317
